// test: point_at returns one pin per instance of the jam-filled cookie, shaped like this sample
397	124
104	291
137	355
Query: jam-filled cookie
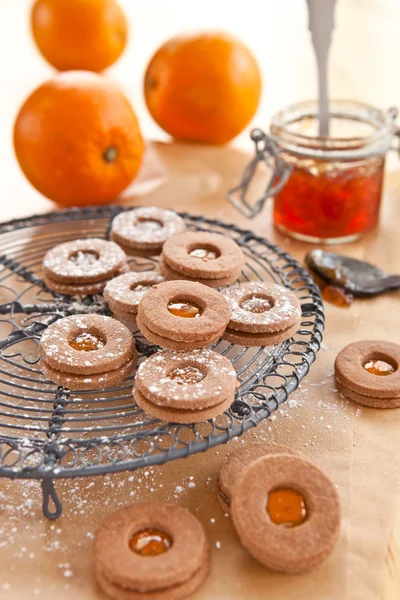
87	352
143	231
262	314
83	266
286	513
368	372
209	258
185	387
124	293
235	463
182	315
151	550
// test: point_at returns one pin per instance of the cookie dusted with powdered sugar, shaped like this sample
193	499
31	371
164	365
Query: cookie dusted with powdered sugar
261	313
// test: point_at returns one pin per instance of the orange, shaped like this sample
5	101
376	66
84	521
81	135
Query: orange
77	139
203	88
79	34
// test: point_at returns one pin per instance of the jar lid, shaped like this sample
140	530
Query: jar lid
357	130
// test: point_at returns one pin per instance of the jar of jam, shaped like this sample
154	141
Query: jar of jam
326	189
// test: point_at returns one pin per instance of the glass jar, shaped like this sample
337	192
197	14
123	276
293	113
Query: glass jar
330	190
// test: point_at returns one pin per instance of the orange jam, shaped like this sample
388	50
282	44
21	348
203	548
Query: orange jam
84	258
148	225
256	304
286	507
150	542
337	296
87	342
204	254
379	367
186	375
139	287
184	309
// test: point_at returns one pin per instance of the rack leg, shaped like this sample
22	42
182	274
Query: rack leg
50	494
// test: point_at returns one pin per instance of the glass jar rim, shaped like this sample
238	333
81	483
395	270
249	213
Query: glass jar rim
375	143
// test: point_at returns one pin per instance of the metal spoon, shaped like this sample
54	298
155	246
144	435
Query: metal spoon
355	276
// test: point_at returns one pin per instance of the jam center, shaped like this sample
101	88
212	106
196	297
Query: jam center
204	254
188	375
256	304
379	367
84	258
286	507
148	225
150	542
188	310
140	287
87	342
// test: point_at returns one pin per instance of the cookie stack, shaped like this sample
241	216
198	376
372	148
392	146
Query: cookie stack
368	373
125	292
208	258
143	231
285	510
262	314
182	315
151	550
185	387
87	352
83	267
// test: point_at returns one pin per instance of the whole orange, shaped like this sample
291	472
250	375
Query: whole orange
203	88
79	34
77	139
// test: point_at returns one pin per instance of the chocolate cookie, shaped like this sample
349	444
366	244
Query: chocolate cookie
182	315
83	261
126	291
261	313
145	229
87	350
151	550
368	372
235	463
185	387
286	513
202	256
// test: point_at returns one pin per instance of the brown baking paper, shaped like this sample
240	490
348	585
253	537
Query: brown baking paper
356	446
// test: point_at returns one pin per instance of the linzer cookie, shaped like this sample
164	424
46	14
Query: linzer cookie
262	314
182	315
83	266
235	463
185	387
143	231
368	372
209	258
151	550
87	352
286	513
124	293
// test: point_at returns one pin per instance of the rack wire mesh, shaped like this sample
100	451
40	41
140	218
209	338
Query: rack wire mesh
48	432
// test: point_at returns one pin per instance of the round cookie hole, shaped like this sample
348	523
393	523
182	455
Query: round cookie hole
87	341
379	365
148	225
286	507
150	542
205	252
84	258
185	309
257	303
186	375
140	287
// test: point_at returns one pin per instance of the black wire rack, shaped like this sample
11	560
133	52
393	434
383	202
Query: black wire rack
48	432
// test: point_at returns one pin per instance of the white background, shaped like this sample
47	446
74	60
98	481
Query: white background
365	57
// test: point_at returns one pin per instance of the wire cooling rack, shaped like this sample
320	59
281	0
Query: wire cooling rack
48	432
